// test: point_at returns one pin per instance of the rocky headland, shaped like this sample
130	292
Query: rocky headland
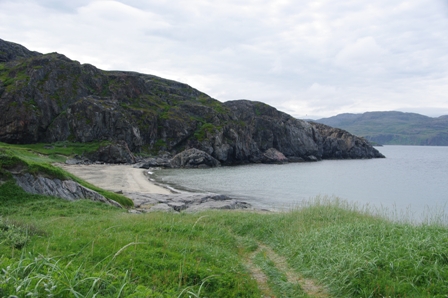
50	98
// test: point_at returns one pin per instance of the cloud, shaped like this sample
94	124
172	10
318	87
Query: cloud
304	57
364	53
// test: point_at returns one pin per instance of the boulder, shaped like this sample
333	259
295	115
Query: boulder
114	153
155	162
272	155
194	158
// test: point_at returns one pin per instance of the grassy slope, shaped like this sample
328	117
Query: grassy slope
38	158
83	248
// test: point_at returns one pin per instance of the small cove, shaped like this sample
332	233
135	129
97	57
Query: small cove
411	182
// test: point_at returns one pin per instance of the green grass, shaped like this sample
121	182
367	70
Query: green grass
156	254
55	152
277	279
38	159
204	130
112	253
49	246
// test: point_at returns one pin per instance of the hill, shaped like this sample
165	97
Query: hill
394	128
49	98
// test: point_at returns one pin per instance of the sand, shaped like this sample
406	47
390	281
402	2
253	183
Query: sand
115	178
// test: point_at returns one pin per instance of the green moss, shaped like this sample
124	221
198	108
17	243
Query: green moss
160	145
204	130
216	105
14	76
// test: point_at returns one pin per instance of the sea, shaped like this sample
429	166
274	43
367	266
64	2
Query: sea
410	184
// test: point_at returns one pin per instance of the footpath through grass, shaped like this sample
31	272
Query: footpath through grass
86	249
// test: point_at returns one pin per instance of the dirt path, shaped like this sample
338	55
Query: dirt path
309	286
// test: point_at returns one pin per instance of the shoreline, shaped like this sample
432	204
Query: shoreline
116	178
149	195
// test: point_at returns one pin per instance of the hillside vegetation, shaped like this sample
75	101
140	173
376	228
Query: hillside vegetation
394	128
48	98
37	159
55	248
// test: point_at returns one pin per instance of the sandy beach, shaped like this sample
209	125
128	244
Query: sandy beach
115	178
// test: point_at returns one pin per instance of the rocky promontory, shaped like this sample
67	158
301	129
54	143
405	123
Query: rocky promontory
50	98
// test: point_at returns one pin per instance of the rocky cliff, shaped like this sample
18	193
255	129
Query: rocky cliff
50	98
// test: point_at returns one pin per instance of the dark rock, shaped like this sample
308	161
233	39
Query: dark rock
65	189
155	162
263	127
113	153
193	158
50	98
11	51
295	159
177	206
274	156
340	144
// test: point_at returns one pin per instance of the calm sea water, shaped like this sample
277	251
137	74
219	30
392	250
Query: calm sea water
410	180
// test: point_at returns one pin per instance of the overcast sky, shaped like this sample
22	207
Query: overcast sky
311	59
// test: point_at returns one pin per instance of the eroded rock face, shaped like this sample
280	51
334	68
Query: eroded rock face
50	98
340	144
65	189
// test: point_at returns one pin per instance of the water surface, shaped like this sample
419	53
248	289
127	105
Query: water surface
409	180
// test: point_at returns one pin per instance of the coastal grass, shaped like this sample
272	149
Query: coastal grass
50	247
37	162
50	152
88	249
277	279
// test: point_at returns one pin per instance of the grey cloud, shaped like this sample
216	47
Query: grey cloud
305	57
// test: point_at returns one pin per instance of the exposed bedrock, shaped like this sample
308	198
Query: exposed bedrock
50	98
65	189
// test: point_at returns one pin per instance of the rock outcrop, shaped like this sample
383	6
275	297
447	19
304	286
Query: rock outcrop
50	98
113	153
194	158
274	156
340	144
184	202
65	189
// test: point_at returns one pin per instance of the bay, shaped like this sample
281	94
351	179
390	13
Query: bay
411	182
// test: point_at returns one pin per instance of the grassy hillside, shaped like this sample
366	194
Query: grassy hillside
38	159
51	247
394	128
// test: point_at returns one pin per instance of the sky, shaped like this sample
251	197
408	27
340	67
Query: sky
311	59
